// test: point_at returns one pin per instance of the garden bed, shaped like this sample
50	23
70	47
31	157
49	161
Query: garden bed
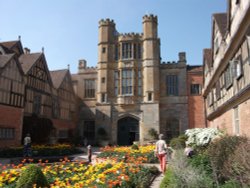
139	154
106	174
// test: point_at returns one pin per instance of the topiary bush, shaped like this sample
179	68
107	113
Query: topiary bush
135	147
219	152
30	176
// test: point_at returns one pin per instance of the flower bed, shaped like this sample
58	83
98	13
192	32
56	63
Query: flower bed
41	150
144	154
68	174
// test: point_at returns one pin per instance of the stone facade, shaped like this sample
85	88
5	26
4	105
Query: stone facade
227	70
134	91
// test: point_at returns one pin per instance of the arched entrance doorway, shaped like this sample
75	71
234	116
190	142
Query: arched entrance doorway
40	129
128	131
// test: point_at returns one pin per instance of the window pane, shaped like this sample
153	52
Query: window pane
195	89
127	81
89	89
172	85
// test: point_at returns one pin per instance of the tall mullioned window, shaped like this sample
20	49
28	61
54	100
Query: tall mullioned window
126	50
229	75
172	85
139	83
37	104
89	89
117	83
127	82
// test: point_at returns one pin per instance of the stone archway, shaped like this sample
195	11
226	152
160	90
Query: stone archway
128	131
40	129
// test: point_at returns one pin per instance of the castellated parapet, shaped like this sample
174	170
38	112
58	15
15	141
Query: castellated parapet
106	22
130	36
82	67
150	18
176	64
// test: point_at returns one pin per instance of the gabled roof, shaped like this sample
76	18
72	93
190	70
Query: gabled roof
9	44
28	60
221	20
6	50
58	76
207	56
12	44
4	59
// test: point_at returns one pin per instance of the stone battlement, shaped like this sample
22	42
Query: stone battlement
130	35
106	22
150	18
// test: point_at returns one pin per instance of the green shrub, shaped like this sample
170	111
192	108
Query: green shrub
202	161
154	170
135	147
230	184
237	166
30	176
153	133
185	175
219	152
41	150
179	142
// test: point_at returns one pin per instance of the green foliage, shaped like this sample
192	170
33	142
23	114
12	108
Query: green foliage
30	176
219	152
41	150
141	179
185	175
201	161
238	164
230	184
135	147
154	170
169	179
179	142
153	133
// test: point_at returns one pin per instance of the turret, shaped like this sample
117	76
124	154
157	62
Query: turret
150	26
151	58
107	36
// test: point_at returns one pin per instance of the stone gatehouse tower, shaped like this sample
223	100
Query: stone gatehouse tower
131	91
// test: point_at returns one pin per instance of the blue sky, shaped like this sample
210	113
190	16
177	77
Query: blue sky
68	29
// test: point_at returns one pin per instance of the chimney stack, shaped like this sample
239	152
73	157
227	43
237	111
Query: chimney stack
26	50
182	57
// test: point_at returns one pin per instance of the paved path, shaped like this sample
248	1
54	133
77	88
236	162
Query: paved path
157	181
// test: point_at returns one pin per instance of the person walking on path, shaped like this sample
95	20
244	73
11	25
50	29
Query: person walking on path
89	153
27	146
160	152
